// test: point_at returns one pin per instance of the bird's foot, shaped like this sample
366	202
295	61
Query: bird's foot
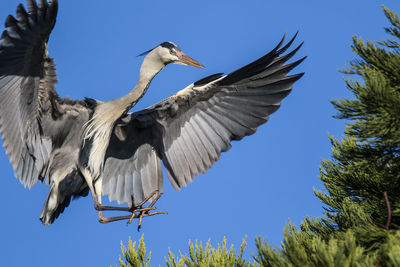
140	212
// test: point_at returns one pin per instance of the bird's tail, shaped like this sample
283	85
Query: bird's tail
52	204
60	195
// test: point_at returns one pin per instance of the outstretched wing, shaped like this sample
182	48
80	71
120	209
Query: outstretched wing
27	81
189	130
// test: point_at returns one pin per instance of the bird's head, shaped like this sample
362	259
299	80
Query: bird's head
169	52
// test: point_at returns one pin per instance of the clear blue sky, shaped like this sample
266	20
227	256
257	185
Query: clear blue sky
256	187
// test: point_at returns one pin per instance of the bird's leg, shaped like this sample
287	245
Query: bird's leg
99	207
104	219
139	212
97	203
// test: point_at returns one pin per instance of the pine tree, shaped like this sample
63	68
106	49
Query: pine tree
134	257
362	213
199	256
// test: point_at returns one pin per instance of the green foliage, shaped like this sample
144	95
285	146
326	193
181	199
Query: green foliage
200	256
300	250
133	257
362	180
366	161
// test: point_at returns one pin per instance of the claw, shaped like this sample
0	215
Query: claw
144	212
146	215
141	211
140	223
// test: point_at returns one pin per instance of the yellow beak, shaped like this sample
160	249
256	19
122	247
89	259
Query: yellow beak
190	61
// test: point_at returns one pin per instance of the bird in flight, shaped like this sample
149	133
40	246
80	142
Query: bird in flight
82	146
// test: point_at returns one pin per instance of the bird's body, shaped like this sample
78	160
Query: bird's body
64	171
90	145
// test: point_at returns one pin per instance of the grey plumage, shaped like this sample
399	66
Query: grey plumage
191	129
91	145
38	128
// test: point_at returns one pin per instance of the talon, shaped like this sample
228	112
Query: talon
140	222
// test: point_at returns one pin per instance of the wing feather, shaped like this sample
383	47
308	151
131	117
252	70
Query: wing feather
208	138
27	78
188	168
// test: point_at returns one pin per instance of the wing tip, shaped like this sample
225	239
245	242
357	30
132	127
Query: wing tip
283	49
260	64
297	76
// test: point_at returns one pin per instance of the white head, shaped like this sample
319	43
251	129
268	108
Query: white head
169	52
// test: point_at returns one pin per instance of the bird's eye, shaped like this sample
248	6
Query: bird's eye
172	51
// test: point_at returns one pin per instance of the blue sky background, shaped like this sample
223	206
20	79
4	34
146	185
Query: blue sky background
255	188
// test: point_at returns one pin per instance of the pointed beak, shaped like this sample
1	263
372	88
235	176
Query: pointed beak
184	59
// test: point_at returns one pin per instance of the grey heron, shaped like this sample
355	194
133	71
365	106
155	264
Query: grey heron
90	145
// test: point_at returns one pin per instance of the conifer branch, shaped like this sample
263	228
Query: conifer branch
389	216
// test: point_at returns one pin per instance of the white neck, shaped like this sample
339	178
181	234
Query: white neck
150	67
100	126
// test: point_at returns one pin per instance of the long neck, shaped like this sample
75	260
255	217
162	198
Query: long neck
108	112
150	67
99	127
